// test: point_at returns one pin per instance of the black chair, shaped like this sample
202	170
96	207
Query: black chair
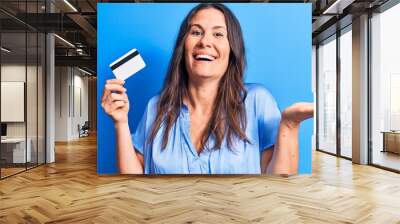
84	130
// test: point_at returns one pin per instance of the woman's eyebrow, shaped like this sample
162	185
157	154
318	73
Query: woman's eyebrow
219	27
198	25
214	27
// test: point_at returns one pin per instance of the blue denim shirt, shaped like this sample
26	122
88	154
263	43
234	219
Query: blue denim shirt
180	155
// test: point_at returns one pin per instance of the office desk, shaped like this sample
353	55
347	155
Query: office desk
13	150
391	141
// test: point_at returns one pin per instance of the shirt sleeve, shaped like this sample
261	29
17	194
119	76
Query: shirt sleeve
140	136
268	118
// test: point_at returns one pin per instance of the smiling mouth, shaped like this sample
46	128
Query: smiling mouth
204	57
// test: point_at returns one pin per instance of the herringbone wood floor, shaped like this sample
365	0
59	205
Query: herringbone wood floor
70	191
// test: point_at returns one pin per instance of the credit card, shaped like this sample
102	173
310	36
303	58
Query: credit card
127	65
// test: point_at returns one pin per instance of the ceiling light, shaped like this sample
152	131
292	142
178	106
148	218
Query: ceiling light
5	50
337	7
65	41
84	71
70	5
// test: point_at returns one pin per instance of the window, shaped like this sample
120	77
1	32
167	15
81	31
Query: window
327	95
23	76
385	88
346	92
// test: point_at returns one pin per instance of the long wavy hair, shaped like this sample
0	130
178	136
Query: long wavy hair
228	115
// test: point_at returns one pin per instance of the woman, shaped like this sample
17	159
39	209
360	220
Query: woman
206	120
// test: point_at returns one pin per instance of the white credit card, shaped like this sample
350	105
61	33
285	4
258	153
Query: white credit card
127	65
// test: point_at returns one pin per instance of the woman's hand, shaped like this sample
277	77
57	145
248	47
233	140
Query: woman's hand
115	101
286	152
116	104
296	113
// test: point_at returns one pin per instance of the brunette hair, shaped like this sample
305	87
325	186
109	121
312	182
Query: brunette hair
228	115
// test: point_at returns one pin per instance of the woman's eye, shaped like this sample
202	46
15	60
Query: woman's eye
219	34
195	33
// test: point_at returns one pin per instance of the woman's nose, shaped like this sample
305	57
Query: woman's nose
206	40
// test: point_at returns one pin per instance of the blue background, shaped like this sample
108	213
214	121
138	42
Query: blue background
278	49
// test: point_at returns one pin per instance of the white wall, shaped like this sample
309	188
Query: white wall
61	103
16	72
33	127
71	94
80	89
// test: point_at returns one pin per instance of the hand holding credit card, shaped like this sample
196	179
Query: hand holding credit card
127	65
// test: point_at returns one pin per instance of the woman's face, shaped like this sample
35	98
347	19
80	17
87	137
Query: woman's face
206	46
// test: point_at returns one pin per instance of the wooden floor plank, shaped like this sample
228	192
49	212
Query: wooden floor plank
70	191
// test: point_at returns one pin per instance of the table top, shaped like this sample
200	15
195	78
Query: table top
391	132
13	140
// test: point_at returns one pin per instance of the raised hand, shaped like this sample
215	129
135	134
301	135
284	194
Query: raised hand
116	104
296	113
286	150
115	101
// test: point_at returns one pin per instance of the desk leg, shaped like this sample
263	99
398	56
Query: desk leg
384	143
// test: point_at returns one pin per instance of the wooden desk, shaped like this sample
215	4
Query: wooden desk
391	141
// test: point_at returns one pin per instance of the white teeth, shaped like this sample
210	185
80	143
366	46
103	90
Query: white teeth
204	56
